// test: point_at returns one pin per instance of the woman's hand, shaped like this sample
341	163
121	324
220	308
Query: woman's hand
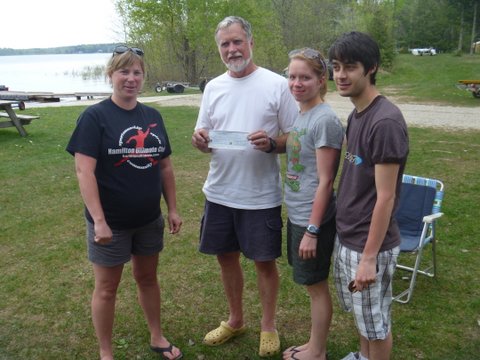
308	247
174	222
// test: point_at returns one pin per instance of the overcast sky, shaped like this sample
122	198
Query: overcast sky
29	24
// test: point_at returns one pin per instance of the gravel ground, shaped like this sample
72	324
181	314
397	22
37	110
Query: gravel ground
415	114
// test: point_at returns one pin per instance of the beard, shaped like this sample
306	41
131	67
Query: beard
238	66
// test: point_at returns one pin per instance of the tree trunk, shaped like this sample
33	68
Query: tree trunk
460	36
474	26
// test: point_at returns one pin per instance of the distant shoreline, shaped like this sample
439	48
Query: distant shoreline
74	49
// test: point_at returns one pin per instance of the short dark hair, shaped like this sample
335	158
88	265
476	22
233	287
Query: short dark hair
355	47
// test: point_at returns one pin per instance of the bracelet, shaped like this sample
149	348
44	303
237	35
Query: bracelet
273	145
310	235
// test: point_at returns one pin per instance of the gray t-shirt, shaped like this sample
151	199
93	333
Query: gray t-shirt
316	128
377	135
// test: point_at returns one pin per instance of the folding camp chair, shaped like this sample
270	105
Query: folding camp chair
417	213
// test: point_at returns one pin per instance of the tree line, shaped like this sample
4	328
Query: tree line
178	35
75	49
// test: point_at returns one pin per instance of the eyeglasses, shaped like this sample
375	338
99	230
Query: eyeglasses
120	49
309	54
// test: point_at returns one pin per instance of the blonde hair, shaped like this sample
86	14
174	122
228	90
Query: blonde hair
316	62
124	60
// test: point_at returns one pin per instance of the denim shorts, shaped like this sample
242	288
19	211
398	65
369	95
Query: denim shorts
311	271
144	241
372	306
255	233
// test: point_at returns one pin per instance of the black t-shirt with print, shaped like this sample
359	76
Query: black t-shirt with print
128	145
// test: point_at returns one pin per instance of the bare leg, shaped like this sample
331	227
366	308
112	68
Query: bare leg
268	284
321	314
232	278
377	349
103	306
145	274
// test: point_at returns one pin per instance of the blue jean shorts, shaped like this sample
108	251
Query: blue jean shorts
255	233
143	241
372	306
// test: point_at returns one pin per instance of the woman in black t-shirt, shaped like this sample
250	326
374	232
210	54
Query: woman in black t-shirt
122	161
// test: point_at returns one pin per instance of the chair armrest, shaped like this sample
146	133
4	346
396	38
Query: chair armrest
430	218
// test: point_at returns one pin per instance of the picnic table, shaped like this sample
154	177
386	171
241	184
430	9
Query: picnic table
10	118
470	85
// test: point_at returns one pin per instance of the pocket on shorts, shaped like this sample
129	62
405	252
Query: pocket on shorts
274	223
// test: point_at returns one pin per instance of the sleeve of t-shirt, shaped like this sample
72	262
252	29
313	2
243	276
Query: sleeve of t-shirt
203	119
168	148
288	111
86	137
389	142
328	132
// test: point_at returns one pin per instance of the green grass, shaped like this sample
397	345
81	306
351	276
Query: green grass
431	79
47	281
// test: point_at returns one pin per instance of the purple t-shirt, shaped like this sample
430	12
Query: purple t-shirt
377	135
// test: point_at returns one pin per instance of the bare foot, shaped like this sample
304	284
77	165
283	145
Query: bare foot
287	354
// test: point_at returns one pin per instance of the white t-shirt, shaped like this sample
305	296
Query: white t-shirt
246	179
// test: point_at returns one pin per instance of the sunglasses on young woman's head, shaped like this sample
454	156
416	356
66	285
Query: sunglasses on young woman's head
309	54
120	49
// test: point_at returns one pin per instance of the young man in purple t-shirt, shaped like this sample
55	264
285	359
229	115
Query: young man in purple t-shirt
368	240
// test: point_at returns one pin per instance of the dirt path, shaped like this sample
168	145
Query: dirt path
415	114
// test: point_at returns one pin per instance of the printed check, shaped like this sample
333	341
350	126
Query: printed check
233	140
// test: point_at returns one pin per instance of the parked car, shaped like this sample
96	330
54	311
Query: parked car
424	51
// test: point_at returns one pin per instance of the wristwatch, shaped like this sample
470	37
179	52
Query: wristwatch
312	229
273	145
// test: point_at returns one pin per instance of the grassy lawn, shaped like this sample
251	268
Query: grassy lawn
431	79
47	281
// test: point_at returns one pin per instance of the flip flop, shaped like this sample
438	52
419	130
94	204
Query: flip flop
291	349
163	350
222	334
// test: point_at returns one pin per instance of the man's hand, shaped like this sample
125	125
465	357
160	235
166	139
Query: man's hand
200	140
260	140
366	273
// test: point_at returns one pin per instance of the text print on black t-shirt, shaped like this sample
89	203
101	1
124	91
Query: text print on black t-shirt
139	148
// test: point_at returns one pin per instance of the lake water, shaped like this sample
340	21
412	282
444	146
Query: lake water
54	73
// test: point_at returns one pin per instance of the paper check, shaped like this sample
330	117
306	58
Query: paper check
234	140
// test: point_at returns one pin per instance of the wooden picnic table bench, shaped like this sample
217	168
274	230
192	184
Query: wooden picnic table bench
12	119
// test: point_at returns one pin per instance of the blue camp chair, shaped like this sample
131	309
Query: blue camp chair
417	214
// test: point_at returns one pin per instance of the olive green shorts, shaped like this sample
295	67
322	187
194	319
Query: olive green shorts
311	271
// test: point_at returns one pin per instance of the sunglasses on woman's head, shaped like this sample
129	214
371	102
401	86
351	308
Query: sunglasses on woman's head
309	54
120	49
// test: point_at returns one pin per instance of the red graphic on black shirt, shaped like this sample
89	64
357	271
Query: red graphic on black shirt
139	139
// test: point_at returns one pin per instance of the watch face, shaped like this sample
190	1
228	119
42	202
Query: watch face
312	229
